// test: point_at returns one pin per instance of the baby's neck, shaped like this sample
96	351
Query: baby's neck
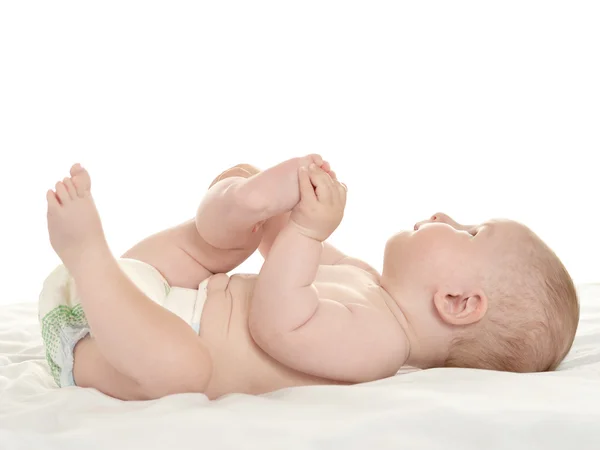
428	340
427	353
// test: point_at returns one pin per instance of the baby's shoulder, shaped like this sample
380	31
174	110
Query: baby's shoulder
362	265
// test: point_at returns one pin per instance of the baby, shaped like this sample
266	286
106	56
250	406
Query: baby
165	318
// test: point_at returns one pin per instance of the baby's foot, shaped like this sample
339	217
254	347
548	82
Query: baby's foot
276	190
239	170
73	222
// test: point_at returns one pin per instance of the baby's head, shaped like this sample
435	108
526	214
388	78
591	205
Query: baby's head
492	296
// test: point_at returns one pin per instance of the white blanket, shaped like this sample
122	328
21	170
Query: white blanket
432	409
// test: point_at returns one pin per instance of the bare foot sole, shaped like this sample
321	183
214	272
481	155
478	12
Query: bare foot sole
74	224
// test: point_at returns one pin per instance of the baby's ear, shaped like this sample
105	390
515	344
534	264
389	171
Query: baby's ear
460	308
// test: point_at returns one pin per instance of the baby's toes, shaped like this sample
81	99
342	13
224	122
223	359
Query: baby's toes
52	200
75	169
70	188
317	159
61	193
81	180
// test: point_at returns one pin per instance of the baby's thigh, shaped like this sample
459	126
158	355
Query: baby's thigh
92	370
177	253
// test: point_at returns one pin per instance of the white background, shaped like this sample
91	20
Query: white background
478	109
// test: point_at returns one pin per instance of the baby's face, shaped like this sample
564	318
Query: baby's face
441	250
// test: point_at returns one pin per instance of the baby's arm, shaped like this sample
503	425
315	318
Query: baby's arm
320	336
330	255
225	231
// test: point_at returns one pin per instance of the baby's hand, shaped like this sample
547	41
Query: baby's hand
322	203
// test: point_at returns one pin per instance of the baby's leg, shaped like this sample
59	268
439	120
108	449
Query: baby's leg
133	336
226	229
234	207
92	370
155	351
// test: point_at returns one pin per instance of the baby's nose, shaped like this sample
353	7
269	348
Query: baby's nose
438	217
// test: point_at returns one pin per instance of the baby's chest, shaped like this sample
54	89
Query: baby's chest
346	284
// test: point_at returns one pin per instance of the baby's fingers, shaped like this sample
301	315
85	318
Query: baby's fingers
342	192
322	182
307	191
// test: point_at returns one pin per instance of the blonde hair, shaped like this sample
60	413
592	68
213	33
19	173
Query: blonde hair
532	317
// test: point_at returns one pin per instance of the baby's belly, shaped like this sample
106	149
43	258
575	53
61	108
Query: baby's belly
239	365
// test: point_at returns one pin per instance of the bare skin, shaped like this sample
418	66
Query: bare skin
313	315
169	357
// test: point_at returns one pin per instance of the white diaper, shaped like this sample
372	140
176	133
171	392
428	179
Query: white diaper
63	321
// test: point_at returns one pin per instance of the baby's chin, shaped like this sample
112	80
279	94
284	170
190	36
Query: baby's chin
399	236
397	240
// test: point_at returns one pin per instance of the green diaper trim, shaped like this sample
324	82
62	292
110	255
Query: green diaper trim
61	317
